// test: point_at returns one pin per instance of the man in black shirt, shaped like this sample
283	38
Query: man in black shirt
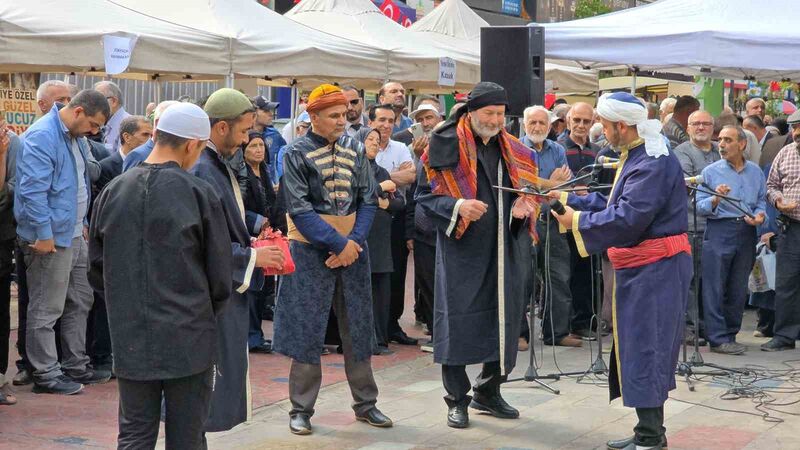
160	254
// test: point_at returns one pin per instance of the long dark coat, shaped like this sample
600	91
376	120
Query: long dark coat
467	312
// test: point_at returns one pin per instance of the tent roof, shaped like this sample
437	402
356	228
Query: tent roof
265	44
35	38
412	60
716	38
452	18
455	24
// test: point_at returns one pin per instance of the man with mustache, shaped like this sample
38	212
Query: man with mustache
730	238
483	242
553	170
329	193
783	191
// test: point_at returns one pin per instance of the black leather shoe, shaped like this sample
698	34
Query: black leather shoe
266	348
777	345
494	405
628	444
300	424
22	378
402	339
458	417
375	418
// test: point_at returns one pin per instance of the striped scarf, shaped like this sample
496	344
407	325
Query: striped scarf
461	181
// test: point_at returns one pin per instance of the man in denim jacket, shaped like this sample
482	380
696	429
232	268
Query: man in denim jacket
51	202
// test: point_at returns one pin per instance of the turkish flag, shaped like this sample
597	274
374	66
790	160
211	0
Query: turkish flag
406	22
390	10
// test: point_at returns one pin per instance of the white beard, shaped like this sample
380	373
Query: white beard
482	131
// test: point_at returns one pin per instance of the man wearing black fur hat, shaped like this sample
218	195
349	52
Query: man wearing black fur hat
483	249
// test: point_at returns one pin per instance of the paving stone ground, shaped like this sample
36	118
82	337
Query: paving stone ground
411	394
579	418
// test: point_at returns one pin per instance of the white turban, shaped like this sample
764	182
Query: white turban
624	107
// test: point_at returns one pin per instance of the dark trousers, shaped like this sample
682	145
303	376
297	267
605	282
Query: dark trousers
381	302
22	309
456	383
650	429
6	253
729	250
580	286
425	279
98	336
186	401
399	262
553	259
257	301
306	379
766	321
696	307
787	285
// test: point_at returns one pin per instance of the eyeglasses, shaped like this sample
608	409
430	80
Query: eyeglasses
355	102
577	121
701	124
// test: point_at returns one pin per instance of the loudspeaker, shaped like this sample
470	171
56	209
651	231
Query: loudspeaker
513	57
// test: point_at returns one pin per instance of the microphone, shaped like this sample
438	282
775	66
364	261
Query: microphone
695	180
556	206
608	165
606	160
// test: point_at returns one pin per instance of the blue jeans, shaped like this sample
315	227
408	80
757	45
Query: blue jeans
729	247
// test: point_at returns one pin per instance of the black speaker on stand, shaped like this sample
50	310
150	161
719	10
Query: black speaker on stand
513	57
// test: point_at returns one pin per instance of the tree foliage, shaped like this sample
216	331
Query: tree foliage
590	8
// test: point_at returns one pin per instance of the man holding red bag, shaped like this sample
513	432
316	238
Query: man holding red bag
231	115
330	200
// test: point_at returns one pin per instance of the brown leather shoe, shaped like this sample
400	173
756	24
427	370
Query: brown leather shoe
570	341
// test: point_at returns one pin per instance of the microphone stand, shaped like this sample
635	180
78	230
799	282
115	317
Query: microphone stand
684	368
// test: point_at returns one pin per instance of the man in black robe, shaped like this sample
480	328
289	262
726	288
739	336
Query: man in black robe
159	254
483	249
231	115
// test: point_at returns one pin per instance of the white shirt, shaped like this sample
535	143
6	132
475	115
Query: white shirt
395	154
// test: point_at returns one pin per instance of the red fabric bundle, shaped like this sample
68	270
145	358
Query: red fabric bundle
649	251
270	237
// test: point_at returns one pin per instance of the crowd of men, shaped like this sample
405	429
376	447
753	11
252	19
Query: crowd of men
99	207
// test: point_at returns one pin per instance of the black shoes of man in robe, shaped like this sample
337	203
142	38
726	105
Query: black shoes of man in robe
458	417
375	418
494	405
629	444
402	338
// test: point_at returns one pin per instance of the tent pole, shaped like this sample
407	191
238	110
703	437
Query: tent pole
633	83
295	97
229	80
158	91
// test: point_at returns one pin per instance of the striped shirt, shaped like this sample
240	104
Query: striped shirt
784	178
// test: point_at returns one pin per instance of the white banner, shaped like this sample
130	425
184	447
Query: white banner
117	51
447	72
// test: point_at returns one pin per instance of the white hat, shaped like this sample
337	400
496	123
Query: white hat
185	120
424	107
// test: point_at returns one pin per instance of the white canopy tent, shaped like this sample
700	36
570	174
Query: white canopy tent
456	25
713	38
412	60
66	35
264	44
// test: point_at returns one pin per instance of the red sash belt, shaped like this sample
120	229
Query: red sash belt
649	251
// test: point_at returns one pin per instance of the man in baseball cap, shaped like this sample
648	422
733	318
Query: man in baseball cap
265	114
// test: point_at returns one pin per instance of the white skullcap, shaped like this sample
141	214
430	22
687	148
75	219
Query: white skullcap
185	120
626	108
